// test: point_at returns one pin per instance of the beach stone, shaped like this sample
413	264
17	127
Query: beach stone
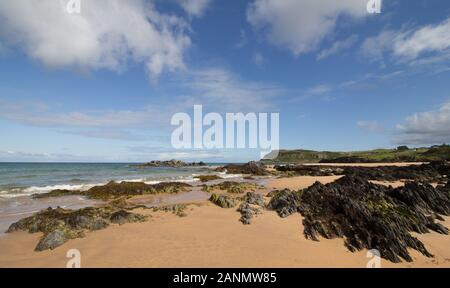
247	213
255	199
52	240
250	168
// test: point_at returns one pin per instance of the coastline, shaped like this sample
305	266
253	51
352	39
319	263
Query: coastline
210	236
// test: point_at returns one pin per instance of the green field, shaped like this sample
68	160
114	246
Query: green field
401	154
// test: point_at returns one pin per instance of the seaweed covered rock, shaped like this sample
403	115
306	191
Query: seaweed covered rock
223	201
114	190
232	187
285	202
207	178
59	225
177	209
250	168
247	213
52	240
171	164
373	216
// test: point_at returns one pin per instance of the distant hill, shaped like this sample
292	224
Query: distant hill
401	154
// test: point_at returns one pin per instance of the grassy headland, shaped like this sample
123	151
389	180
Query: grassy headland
400	154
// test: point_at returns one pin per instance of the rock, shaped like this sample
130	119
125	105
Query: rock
254	199
223	201
285	202
308	170
370	216
52	240
59	225
171	163
247	213
251	168
232	187
177	209
114	190
121	217
207	178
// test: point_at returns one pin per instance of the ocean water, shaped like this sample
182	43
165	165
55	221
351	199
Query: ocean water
25	179
18	181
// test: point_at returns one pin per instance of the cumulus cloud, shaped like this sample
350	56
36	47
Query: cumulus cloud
300	26
194	7
105	35
408	45
431	127
337	47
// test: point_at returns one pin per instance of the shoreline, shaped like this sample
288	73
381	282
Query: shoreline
210	236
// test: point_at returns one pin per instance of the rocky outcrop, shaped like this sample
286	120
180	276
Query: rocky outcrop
171	164
250	207
308	170
177	209
232	187
59	225
247	211
250	168
433	172
123	189
370	216
223	201
284	202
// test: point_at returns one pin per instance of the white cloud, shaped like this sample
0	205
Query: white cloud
301	25
106	35
371	126
337	47
421	45
194	7
222	90
432	127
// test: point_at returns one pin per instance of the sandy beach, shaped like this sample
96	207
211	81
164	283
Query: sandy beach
211	237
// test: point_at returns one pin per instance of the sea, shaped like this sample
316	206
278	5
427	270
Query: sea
19	181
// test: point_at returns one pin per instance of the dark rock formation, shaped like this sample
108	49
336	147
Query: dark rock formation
123	189
370	216
247	212
251	168
347	159
223	201
59	225
285	202
308	170
254	199
432	172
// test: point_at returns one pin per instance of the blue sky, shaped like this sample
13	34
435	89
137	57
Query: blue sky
102	85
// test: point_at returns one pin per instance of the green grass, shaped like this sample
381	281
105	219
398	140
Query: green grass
435	153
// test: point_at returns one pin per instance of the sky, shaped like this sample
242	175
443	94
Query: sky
102	85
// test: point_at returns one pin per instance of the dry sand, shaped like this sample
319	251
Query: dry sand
210	237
